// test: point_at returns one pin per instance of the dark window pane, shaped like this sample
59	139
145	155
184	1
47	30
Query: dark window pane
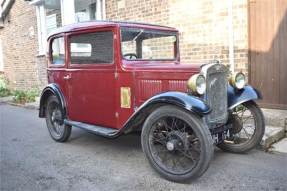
92	48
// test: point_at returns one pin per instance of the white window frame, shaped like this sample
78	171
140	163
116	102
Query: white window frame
68	17
51	26
41	28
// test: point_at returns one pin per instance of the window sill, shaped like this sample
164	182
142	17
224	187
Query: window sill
40	55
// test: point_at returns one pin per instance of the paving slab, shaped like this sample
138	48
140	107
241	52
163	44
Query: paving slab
33	105
280	146
275	117
6	99
272	135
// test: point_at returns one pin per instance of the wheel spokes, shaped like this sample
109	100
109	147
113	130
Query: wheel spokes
245	118
183	155
55	116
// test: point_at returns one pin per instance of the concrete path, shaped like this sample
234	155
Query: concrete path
31	160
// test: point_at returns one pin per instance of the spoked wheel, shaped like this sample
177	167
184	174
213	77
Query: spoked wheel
177	144
55	122
247	129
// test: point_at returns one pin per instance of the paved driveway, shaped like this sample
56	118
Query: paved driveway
31	160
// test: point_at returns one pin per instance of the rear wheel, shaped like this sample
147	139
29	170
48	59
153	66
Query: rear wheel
176	143
247	130
55	120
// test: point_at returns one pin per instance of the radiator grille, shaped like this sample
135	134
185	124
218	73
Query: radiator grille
216	93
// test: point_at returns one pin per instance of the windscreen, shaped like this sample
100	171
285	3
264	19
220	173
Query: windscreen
143	44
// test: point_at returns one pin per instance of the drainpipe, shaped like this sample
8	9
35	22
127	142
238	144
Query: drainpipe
231	35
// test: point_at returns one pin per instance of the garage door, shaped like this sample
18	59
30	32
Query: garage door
268	50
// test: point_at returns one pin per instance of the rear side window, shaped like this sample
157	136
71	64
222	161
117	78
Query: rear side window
92	48
58	51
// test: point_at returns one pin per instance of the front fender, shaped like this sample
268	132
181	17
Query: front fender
51	89
237	97
182	100
179	99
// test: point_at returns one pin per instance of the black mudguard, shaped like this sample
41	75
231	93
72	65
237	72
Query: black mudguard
237	97
51	89
182	100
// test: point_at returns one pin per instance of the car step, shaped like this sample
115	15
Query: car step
98	130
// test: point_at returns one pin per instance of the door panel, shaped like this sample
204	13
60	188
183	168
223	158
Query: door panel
268	44
91	86
91	96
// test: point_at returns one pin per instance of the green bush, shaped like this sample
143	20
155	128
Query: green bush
22	97
4	91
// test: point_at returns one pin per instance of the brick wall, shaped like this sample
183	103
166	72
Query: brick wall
22	67
203	25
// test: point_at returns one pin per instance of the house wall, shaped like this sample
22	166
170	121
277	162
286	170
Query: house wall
19	44
203	25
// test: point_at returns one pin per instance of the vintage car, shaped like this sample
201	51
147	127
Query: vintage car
113	78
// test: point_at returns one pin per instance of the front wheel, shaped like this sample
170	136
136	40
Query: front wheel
247	130
176	143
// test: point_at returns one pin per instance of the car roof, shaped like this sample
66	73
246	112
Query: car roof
94	24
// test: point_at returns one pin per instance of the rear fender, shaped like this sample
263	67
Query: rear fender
51	89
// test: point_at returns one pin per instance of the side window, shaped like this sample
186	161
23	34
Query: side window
92	48
58	51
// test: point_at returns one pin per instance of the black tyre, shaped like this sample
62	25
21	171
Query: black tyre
248	128
177	144
55	121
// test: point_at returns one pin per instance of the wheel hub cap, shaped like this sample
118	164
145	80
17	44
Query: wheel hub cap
170	146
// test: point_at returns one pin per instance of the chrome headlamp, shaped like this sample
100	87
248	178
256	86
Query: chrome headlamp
238	80
197	84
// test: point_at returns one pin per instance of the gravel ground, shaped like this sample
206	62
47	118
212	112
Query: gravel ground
31	160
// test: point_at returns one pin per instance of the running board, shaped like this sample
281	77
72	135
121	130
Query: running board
98	130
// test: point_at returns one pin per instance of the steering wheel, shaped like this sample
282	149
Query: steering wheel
130	56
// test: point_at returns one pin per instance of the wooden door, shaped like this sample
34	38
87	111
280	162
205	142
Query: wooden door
268	50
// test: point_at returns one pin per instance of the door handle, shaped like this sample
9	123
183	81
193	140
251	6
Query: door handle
67	77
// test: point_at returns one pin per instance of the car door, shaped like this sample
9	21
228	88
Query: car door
91	77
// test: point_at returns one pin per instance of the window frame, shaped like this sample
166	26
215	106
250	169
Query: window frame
91	65
67	8
176	56
50	53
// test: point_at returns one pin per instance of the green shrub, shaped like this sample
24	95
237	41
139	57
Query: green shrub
22	97
4	91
